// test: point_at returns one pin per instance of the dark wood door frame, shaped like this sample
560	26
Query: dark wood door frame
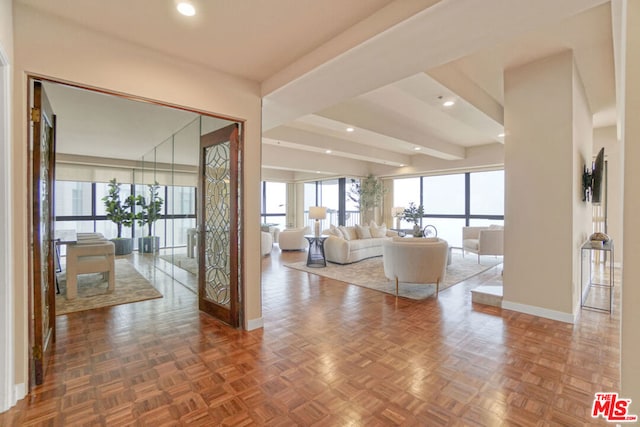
233	313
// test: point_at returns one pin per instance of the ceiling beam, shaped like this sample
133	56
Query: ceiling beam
371	116
310	141
428	40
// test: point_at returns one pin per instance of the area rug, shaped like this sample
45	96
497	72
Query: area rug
182	261
131	286
369	273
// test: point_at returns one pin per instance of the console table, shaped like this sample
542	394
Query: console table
315	257
586	251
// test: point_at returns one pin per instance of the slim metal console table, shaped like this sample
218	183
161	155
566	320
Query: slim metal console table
585	288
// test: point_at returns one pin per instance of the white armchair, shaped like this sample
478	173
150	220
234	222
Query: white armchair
415	260
95	257
483	240
292	239
266	243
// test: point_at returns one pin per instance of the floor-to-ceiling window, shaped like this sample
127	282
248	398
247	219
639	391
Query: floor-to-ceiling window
453	201
332	194
274	204
79	207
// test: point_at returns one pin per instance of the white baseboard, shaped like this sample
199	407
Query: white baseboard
540	312
253	324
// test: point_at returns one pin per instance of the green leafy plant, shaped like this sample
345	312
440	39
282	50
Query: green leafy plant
119	211
367	194
150	211
413	213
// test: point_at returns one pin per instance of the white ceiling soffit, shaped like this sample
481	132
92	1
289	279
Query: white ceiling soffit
428	39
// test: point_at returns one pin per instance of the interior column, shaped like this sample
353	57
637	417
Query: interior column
548	141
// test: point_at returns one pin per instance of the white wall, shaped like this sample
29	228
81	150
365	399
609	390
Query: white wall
545	219
630	360
9	393
55	48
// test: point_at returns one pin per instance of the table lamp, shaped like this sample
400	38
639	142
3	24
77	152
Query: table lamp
397	213
317	213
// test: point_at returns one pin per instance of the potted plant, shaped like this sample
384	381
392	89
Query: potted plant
149	213
367	194
121	213
414	214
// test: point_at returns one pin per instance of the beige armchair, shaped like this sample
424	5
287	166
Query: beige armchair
483	240
96	257
415	260
292	239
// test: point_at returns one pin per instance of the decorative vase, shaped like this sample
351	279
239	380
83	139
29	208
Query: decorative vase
417	231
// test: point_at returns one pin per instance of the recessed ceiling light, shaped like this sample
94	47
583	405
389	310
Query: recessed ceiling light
448	103
328	151
501	135
417	148
350	129
186	8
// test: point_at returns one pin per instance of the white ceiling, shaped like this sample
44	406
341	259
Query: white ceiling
380	66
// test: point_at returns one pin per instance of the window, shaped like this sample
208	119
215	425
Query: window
406	191
79	206
73	198
444	194
274	203
487	193
453	201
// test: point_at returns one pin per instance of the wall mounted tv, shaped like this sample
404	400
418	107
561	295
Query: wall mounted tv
598	176
592	180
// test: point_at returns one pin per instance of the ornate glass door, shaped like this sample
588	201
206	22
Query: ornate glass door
219	279
43	274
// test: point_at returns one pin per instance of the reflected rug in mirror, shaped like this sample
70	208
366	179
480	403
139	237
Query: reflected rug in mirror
369	273
182	261
131	286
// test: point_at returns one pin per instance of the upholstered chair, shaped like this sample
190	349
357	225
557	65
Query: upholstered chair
483	240
266	243
292	239
415	260
95	257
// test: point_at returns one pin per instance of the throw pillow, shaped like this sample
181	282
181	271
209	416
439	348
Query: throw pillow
345	233
378	230
363	231
334	231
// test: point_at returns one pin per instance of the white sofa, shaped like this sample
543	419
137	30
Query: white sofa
346	245
483	240
415	260
292	239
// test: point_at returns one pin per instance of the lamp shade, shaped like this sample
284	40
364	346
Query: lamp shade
397	211
317	212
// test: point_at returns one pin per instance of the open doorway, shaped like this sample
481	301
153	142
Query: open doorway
152	153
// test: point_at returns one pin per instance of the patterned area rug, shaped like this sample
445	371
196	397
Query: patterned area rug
369	273
131	286
183	262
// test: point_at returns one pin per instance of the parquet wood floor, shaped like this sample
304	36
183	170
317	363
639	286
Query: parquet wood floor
330	354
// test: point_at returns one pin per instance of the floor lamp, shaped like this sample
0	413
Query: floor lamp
317	213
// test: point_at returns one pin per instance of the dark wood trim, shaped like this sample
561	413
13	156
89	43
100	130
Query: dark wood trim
229	315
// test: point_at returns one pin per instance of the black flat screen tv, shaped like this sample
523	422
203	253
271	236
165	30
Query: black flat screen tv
598	176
